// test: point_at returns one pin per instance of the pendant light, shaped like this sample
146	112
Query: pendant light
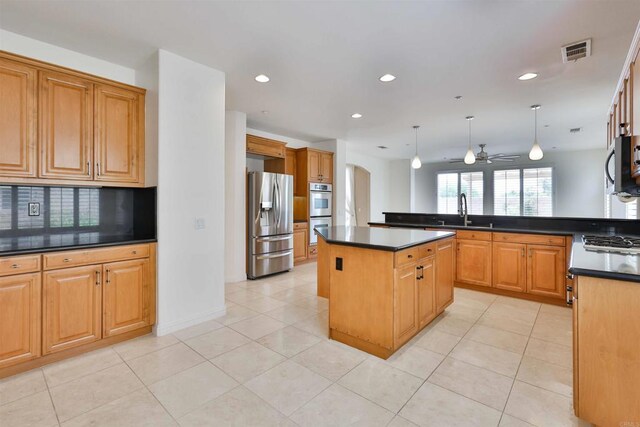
536	152
416	163
470	157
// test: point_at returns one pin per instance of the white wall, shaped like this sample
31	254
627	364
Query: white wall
25	46
578	175
191	177
401	186
235	236
380	181
147	77
291	142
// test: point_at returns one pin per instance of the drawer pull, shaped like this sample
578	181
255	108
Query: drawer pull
135	252
409	256
15	266
108	279
66	260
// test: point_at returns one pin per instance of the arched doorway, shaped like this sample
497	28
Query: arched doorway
357	196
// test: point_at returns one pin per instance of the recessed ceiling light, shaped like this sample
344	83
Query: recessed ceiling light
387	78
261	78
356	115
528	76
457	97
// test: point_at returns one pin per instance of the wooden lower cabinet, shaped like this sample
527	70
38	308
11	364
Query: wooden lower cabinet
125	296
426	292
72	307
510	266
300	242
474	262
606	360
546	270
405	299
445	272
19	318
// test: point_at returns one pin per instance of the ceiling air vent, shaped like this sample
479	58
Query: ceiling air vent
575	130
575	51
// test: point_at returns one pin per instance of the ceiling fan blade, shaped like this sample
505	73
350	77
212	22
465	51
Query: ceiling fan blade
495	156
456	160
503	159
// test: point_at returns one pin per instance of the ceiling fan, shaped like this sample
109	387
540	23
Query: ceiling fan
484	157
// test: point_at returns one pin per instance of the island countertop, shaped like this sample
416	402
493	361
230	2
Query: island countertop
385	239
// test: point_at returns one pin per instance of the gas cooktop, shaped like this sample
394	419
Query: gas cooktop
620	244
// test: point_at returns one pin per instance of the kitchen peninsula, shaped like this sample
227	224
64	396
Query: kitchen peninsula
383	285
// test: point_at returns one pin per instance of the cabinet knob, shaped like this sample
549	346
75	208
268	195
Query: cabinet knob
15	266
135	252
66	260
409	256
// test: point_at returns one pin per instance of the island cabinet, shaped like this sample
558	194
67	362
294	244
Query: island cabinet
474	258
606	360
380	299
60	126
63	303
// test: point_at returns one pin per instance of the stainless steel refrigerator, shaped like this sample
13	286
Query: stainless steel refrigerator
270	228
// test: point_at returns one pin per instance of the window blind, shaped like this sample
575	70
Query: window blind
506	192
447	193
537	185
472	185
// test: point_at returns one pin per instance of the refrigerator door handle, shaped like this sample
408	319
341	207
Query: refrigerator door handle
275	255
274	239
279	200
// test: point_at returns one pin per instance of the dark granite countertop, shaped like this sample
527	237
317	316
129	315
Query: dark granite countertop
379	238
67	241
605	265
471	227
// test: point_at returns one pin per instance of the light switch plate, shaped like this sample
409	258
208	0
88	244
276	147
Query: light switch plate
34	209
199	223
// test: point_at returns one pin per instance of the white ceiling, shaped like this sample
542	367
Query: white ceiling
324	60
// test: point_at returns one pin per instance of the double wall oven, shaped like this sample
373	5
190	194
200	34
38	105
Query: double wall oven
320	208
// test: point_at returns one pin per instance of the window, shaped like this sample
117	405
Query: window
88	207
5	208
537	187
527	192
62	207
25	196
506	192
450	185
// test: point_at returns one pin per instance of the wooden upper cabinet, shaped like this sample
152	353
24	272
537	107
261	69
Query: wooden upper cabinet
119	144
445	272
426	292
326	167
510	266
66	126
546	270
406	321
72	307
18	120
19	318
474	262
126	297
265	147
313	163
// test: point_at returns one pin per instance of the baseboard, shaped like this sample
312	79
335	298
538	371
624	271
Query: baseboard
236	278
167	328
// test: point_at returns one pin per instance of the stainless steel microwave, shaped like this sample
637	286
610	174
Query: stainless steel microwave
622	157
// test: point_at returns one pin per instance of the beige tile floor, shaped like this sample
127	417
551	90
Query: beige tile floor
486	361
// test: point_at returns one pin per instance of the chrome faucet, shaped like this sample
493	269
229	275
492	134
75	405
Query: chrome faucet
463	209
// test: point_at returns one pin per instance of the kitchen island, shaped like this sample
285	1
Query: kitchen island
383	285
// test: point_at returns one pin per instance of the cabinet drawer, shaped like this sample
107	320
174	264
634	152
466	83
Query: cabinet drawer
300	226
426	250
536	239
94	256
474	235
407	256
19	264
313	251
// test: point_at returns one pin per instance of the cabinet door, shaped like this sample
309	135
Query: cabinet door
510	266
445	271
66	127
474	262
18	116
326	167
546	270
19	318
300	245
71	307
126	296
426	292
117	139
313	165
290	166
405	299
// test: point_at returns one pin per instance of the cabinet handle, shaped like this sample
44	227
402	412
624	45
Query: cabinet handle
409	256
89	168
98	168
108	280
97	277
66	260
522	251
135	252
15	266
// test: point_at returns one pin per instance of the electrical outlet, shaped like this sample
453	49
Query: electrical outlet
34	209
338	263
